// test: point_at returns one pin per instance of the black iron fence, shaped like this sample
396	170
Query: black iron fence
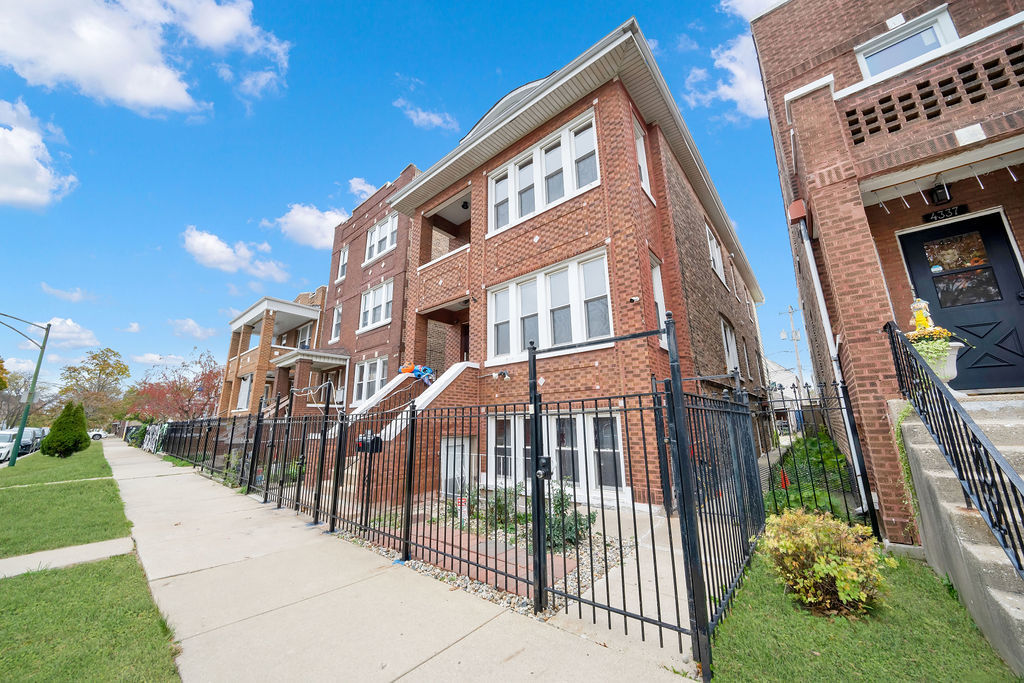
989	482
639	510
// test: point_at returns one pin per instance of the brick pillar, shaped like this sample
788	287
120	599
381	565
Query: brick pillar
860	303
259	375
303	368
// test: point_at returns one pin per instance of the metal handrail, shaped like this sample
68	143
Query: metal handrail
989	481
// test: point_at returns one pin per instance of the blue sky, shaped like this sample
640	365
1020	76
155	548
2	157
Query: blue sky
164	163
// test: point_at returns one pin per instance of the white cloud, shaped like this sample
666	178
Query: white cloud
654	45
360	188
158	359
230	311
128	51
255	83
73	295
19	364
211	251
133	328
27	174
742	86
233	289
65	333
255	286
224	72
685	43
426	119
748	9
187	327
306	224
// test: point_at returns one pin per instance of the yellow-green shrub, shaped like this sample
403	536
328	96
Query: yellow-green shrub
829	565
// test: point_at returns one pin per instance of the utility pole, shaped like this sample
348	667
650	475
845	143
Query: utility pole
16	446
795	336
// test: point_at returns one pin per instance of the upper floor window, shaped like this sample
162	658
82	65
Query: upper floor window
732	359
746	359
659	297
563	165
336	325
375	308
910	40
563	304
382	238
305	333
641	155
715	254
342	263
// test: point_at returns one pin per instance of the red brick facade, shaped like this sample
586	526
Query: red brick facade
855	148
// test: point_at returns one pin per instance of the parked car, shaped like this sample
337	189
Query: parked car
7	438
37	436
97	434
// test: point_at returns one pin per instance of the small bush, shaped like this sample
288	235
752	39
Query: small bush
830	566
565	525
67	434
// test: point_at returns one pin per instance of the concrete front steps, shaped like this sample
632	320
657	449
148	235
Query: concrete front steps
957	542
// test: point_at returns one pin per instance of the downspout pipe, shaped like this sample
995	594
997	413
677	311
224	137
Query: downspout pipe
833	349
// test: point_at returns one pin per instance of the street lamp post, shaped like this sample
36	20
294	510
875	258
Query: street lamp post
16	446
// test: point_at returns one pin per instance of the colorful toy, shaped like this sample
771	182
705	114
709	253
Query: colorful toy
419	372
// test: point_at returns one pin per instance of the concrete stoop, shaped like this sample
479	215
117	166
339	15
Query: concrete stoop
957	542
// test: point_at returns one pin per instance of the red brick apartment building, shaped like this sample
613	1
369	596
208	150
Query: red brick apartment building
577	208
899	134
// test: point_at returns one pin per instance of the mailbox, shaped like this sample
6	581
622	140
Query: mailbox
368	442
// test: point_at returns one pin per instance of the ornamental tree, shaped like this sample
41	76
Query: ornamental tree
186	391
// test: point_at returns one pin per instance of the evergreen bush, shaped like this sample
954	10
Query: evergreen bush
67	434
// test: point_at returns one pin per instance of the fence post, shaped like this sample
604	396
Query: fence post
251	478
869	501
659	431
686	503
216	441
270	450
323	453
409	460
302	462
537	498
287	448
341	452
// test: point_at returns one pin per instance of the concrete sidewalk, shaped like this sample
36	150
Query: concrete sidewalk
257	593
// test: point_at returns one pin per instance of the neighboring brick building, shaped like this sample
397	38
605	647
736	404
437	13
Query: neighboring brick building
899	134
577	208
267	330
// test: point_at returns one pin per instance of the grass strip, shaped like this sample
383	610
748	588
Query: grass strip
94	621
41	468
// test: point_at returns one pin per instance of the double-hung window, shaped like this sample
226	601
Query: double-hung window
559	167
342	263
641	155
906	42
382	238
370	376
563	304
715	254
746	359
732	361
659	297
375	308
305	333
336	325
244	386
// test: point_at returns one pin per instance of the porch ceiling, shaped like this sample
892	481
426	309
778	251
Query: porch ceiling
288	314
319	359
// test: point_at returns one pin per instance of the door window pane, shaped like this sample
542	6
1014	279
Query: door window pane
959	251
967	287
565	447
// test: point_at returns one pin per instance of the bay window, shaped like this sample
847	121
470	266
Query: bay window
561	166
369	377
375	308
381	238
562	304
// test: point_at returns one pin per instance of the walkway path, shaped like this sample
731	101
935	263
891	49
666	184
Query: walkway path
254	592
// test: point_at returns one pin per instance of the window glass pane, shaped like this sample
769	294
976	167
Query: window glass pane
598	322
607	464
501	214
903	51
561	325
958	251
553	158
501	189
967	287
554	188
528	297
501	340
594	283
502	447
528	314
530	331
586	170
584	140
525	175
526	201
558	288
501	305
565	446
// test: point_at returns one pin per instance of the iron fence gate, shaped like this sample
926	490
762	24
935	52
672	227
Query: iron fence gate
638	510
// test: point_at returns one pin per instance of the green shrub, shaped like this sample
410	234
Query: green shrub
67	434
817	477
565	524
830	566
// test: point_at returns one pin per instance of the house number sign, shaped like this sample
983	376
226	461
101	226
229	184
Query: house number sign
943	214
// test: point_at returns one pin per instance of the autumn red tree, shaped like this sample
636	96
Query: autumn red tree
186	391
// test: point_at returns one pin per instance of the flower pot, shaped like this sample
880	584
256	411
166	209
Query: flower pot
946	368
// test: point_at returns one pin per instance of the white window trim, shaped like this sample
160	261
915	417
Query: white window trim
342	259
336	324
536	153
659	296
937	18
717	265
736	283
388	284
383	223
576	308
309	339
732	359
360	369
640	144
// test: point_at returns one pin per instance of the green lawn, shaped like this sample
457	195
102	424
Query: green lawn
39	468
922	633
177	462
94	621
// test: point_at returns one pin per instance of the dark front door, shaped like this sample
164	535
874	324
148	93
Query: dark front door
968	273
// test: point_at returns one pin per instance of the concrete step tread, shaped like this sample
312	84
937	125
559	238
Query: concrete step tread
1011	602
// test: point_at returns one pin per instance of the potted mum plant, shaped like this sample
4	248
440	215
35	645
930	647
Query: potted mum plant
937	346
